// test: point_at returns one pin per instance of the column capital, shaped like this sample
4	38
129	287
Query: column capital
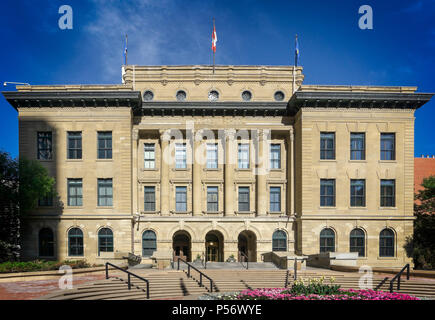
230	134
165	135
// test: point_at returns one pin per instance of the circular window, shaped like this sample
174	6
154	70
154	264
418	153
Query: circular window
213	95
148	95
279	96
246	95
181	95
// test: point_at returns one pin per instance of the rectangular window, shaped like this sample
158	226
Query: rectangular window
180	156
327	145
388	142
149	156
275	199
243	198
212	155
243	156
150	199
75	195
105	192
327	192
357	193
388	197
46	201
105	145
212	199
357	146
74	145
275	156
181	199
45	145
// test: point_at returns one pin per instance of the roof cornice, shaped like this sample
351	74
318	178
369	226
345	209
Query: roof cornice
213	108
338	99
29	99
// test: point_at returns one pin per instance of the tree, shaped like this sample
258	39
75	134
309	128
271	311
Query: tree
422	245
22	183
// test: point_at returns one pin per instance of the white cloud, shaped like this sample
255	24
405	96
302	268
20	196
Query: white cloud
158	33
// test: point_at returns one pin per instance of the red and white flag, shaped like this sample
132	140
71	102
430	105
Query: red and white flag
213	39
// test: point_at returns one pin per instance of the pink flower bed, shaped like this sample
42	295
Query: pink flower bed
347	294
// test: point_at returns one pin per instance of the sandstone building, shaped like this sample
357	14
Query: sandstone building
243	161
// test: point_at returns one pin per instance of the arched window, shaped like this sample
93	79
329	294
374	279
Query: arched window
279	241
105	240
327	240
149	243
386	243
46	243
75	242
357	242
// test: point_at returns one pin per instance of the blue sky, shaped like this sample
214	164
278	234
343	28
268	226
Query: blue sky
400	50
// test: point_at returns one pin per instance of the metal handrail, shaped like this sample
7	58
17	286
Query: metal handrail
201	274
129	274
247	259
398	276
286	279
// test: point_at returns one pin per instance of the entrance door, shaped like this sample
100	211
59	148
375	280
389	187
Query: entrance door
247	244
214	246
181	247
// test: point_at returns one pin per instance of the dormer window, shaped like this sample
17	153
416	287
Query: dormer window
181	95
246	95
279	96
213	95
148	95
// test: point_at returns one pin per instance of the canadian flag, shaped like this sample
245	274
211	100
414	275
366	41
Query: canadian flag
213	39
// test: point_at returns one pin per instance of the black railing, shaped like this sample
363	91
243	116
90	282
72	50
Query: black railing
244	256
129	274
286	279
398	276
201	274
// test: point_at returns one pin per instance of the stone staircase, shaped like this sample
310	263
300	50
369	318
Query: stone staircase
175	284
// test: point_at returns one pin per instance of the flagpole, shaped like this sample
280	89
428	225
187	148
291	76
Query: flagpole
213	50
126	48
294	67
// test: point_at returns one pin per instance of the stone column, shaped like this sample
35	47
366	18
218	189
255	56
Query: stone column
136	186
197	188
230	150
291	176
262	163
164	173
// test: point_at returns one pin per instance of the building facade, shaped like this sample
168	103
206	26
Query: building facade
240	162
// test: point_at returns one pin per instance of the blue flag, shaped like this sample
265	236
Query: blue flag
125	50
296	51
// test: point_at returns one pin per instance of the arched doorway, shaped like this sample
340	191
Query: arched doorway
181	245
214	246
247	243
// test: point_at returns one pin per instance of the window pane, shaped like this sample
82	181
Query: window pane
243	198
275	156
149	155
275	199
181	199
327	145
327	192
105	145
149	199
149	243
388	146
212	199
105	192
44	144
212	155
357	146
279	241
180	156
243	156
357	193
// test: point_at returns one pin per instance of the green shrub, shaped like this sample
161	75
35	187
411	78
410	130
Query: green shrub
313	286
41	265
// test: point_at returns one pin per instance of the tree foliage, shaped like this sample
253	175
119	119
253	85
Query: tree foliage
22	183
421	247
